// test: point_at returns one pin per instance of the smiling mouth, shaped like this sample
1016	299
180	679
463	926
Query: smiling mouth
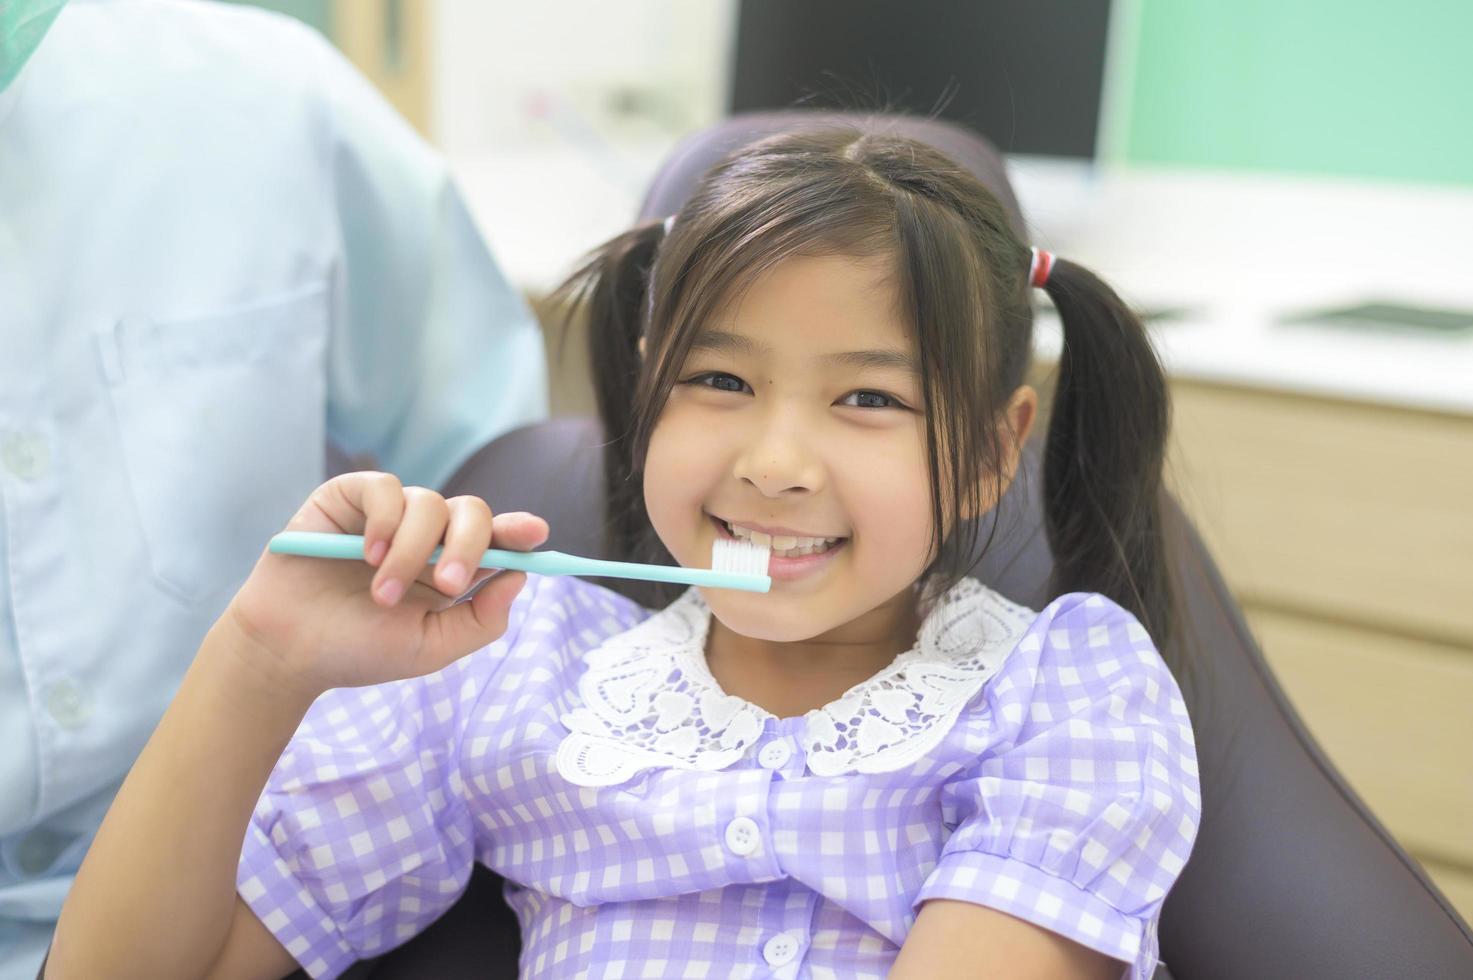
783	546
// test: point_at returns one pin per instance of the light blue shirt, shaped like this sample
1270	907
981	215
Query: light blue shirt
218	247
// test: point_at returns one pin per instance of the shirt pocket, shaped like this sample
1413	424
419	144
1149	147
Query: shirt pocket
221	419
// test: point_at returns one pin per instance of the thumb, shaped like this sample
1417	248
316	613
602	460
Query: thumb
467	626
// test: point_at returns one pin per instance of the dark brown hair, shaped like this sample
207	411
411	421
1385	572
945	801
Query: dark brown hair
961	274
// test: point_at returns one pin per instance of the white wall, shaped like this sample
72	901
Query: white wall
549	71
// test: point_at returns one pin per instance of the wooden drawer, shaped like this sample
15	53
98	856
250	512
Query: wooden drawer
1395	715
1456	884
1353	512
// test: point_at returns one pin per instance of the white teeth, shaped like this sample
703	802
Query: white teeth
787	545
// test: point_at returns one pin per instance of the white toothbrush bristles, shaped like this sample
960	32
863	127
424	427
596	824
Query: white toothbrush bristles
740	557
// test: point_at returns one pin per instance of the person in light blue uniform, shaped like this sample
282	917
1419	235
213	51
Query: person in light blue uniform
219	248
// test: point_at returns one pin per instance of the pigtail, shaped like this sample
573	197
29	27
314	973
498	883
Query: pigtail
611	288
1105	452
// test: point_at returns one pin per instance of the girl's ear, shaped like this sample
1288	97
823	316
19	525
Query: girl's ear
641	347
1017	421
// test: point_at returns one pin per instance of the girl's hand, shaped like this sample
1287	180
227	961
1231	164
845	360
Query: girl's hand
320	623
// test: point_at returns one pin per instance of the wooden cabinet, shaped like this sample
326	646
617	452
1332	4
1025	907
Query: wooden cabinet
1350	512
1346	532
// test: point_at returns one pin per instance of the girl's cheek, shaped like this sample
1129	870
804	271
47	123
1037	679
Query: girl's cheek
677	451
675	480
660	475
889	497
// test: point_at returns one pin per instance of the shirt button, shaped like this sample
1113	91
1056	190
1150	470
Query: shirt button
69	703
780	949
743	836
26	456
774	755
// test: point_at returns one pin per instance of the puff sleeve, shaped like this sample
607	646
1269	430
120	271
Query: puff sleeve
1086	809
362	836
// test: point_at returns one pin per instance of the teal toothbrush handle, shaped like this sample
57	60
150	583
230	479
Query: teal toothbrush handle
314	544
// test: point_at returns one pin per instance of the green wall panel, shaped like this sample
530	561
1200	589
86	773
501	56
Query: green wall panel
1365	88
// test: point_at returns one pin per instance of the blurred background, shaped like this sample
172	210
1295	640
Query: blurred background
1283	189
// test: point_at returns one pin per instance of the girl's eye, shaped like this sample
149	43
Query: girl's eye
719	380
871	399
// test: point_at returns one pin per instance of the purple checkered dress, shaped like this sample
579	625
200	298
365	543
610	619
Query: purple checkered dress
649	825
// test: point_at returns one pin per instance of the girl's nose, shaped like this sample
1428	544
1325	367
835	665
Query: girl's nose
776	462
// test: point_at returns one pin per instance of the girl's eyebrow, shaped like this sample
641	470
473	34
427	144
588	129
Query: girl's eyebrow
722	342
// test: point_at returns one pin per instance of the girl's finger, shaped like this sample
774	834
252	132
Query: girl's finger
381	497
518	531
467	626
466	538
362	502
513	531
419	533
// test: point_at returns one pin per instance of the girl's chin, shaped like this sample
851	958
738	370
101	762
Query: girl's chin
758	617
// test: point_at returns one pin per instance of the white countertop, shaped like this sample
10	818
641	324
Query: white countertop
1238	250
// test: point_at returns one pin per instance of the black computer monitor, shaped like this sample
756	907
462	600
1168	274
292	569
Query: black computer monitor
1028	74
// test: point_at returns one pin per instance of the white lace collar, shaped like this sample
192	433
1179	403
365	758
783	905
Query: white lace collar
649	700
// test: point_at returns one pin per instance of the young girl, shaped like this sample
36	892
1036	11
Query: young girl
879	767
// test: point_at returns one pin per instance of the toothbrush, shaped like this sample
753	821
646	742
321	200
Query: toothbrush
734	564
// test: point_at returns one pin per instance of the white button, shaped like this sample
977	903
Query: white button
743	836
26	456
69	703
775	755
780	949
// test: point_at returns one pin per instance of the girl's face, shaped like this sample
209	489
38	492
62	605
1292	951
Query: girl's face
799	413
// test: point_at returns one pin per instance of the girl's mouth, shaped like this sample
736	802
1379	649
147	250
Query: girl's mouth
796	558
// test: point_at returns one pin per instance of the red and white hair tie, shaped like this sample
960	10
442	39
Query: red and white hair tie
1040	267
